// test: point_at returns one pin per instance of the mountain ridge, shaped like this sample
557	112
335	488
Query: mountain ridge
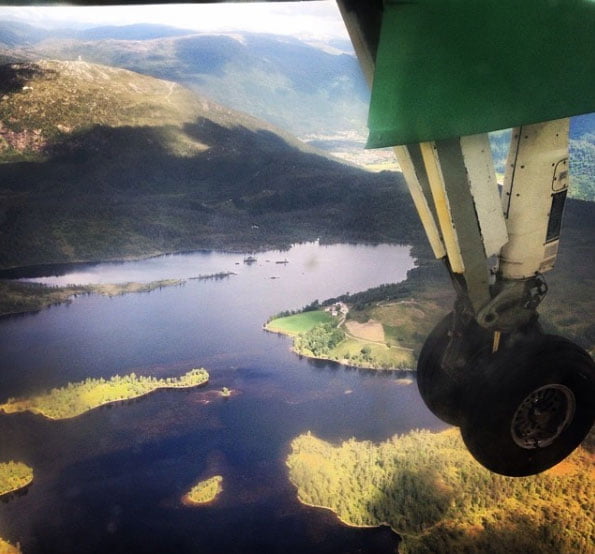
266	75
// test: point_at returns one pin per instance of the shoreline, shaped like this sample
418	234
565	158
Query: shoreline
232	248
41	296
16	489
344	522
23	478
204	492
343	362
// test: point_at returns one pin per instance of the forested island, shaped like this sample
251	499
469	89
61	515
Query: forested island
77	398
430	491
204	492
14	476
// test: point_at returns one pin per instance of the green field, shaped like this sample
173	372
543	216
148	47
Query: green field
375	356
318	335
298	323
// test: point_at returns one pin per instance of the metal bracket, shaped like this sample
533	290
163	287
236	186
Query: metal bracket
514	304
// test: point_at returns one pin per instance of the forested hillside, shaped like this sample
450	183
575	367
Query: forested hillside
428	488
103	163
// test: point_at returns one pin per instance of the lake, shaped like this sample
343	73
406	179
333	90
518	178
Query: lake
111	480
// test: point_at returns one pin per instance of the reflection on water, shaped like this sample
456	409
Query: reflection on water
110	481
308	260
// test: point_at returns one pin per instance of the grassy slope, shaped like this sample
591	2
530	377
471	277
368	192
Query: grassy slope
264	75
351	350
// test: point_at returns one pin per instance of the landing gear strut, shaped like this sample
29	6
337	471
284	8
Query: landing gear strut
523	400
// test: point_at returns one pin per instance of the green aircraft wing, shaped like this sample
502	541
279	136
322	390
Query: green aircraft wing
448	68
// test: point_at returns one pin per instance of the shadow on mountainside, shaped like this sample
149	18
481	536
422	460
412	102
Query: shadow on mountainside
13	78
131	191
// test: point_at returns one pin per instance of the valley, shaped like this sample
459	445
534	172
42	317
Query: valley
179	155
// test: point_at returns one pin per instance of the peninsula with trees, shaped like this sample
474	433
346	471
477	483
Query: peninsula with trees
77	398
22	296
430	491
381	328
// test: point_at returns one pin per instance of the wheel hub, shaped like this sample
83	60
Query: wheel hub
542	416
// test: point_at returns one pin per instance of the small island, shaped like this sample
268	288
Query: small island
204	492
7	548
429	490
77	398
14	476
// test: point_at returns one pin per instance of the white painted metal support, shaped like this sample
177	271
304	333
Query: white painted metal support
411	170
535	186
477	157
467	204
412	178
442	206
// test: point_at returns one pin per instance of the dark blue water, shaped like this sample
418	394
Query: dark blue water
111	480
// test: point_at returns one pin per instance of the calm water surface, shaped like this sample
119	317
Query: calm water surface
111	480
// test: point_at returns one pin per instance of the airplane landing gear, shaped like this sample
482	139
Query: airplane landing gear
522	409
534	406
442	378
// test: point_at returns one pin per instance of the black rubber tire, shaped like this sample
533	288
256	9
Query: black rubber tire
533	405
445	396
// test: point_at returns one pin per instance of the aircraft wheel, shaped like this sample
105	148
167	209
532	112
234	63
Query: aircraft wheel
533	406
443	391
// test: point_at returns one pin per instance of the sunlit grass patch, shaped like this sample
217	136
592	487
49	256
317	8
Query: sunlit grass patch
380	356
299	323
